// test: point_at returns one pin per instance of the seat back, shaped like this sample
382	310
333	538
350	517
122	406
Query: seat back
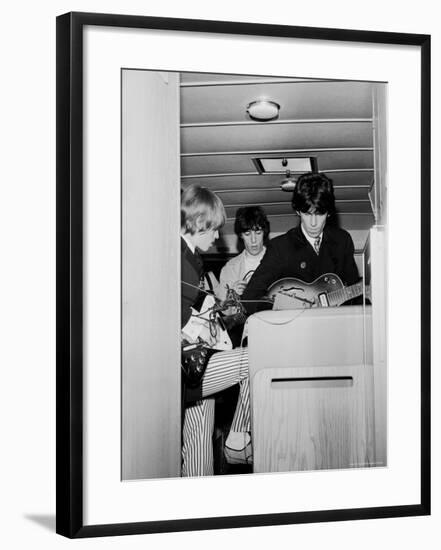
311	389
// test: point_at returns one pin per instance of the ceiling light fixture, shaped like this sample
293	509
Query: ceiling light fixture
289	183
263	110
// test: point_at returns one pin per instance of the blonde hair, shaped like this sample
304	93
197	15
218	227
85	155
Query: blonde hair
201	210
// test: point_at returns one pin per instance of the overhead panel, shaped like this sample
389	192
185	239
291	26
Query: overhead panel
328	120
276	136
237	163
349	180
304	100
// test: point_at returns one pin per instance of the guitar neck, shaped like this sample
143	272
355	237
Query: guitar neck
338	297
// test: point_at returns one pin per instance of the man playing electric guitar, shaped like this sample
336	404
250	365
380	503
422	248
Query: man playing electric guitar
313	248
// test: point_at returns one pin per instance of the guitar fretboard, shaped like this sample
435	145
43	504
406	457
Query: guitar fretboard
338	297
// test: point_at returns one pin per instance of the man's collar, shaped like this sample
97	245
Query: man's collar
190	245
255	256
311	240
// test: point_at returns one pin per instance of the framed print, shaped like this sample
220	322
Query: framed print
266	343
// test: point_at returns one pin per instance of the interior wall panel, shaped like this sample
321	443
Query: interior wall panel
150	276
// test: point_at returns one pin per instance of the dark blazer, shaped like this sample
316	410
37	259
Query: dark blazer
191	272
291	255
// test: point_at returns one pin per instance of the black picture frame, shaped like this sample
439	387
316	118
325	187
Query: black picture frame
69	266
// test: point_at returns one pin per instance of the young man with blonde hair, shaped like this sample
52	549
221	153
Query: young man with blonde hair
202	214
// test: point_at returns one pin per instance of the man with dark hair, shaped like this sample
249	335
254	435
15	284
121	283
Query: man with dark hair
251	217
309	250
252	227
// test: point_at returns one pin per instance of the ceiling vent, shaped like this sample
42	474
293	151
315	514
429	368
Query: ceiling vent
295	165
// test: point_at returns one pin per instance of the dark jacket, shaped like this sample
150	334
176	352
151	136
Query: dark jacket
291	255
191	272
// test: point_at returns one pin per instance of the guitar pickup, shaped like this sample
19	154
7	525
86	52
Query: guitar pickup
189	347
323	299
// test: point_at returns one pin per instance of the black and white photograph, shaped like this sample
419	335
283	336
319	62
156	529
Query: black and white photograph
221	253
245	326
268	352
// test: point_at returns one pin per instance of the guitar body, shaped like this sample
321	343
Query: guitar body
200	339
194	361
290	293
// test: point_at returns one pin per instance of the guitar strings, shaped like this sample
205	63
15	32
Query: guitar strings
216	298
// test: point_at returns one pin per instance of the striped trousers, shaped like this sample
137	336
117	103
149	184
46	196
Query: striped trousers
225	369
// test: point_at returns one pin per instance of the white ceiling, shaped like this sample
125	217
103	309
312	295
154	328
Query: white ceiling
329	120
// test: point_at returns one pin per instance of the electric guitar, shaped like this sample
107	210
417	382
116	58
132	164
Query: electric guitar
327	290
203	335
194	361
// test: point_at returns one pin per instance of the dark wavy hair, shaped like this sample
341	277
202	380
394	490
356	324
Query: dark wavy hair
251	217
314	192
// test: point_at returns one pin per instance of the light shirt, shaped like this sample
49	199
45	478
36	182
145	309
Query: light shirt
251	263
311	240
237	269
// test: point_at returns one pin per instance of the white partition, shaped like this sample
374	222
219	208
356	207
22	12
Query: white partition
312	389
151	412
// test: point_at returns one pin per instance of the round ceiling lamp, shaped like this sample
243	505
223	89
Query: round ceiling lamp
263	110
289	183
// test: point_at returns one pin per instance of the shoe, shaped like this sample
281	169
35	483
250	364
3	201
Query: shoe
238	448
